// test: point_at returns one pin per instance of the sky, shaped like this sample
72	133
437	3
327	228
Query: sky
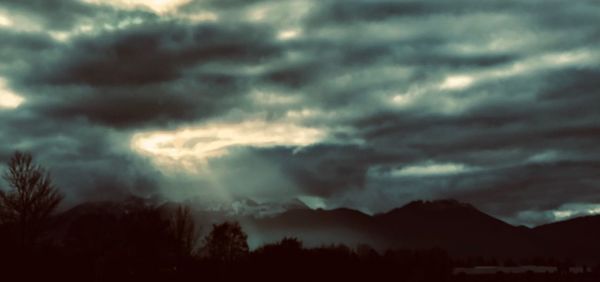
360	104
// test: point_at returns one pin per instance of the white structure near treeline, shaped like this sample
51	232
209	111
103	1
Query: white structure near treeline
515	269
505	269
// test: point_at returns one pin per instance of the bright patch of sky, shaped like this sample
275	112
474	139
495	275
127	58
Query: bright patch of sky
191	146
9	99
158	6
430	168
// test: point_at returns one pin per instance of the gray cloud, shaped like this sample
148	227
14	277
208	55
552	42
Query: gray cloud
84	159
68	14
155	53
501	94
154	74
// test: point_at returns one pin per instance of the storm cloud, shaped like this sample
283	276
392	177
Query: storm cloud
365	104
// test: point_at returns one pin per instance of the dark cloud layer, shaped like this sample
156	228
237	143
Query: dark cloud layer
151	74
325	169
157	53
68	14
491	102
82	157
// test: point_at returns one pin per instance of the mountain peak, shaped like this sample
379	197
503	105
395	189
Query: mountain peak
444	204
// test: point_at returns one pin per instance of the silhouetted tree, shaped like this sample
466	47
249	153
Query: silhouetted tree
30	199
130	240
184	230
287	247
366	252
291	243
226	242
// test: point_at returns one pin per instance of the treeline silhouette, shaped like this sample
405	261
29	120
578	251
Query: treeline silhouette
136	240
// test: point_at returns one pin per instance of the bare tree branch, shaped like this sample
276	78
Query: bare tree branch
31	197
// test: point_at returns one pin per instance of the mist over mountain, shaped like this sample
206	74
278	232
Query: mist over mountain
457	227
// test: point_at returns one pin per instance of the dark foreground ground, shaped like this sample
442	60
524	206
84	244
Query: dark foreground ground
145	243
276	262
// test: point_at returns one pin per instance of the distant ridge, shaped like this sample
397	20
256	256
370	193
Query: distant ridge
457	227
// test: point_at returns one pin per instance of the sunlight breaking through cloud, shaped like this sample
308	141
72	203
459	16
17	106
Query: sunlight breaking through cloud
288	34
158	6
457	82
573	210
430	169
8	99
535	64
5	21
504	94
189	147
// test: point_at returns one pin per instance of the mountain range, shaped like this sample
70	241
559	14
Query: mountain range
459	228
